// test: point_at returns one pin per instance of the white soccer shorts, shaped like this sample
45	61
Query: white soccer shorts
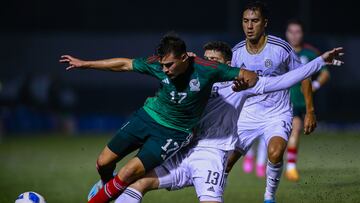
201	167
248	132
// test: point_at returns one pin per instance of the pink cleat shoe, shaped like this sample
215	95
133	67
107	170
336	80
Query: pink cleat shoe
248	165
260	171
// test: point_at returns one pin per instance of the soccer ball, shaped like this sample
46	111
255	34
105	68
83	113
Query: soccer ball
30	197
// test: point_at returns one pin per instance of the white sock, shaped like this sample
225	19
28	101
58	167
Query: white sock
261	153
291	158
273	174
291	166
130	195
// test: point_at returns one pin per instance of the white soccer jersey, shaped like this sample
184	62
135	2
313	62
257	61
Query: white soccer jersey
276	58
218	126
203	166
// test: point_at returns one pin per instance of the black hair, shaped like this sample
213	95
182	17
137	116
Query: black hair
295	22
219	46
259	6
171	43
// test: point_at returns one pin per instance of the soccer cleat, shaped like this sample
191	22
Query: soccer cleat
292	175
95	189
260	171
269	201
248	165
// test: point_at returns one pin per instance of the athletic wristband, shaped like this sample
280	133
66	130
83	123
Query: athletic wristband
315	84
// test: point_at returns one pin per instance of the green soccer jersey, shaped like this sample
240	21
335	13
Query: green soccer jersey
179	103
297	98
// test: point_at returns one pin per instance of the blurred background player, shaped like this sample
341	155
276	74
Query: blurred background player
295	36
268	115
261	155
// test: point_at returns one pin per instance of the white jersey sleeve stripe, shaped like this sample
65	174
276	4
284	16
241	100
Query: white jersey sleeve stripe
281	41
239	45
288	50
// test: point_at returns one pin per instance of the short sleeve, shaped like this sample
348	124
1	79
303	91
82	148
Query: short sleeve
227	73
147	66
293	61
234	60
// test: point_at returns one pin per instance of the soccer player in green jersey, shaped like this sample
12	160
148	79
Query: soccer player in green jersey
295	35
164	124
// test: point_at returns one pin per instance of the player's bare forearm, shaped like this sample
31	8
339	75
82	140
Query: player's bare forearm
114	64
310	118
245	79
324	77
308	95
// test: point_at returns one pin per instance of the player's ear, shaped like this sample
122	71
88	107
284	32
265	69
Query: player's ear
184	57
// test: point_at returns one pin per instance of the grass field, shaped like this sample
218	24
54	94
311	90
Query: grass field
62	169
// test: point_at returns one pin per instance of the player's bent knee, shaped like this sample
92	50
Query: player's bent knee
106	158
275	154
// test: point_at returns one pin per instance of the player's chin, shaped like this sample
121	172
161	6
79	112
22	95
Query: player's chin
251	37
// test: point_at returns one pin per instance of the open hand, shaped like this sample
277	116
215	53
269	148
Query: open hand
72	62
309	123
330	56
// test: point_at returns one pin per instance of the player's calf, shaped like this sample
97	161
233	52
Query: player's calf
132	171
106	164
232	159
135	192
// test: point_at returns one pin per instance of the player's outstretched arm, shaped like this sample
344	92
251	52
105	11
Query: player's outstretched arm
114	64
291	78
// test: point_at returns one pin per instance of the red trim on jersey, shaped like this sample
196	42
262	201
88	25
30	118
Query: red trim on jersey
312	48
152	59
200	61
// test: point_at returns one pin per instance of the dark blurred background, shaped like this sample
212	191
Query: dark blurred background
37	94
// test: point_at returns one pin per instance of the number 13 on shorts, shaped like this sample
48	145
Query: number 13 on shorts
214	178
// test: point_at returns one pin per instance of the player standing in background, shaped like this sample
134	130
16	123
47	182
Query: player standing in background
270	115
164	124
202	164
295	36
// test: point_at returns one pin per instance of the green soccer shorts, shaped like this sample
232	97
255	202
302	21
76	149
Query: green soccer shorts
156	143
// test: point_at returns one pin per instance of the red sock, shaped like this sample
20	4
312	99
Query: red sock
111	190
291	155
